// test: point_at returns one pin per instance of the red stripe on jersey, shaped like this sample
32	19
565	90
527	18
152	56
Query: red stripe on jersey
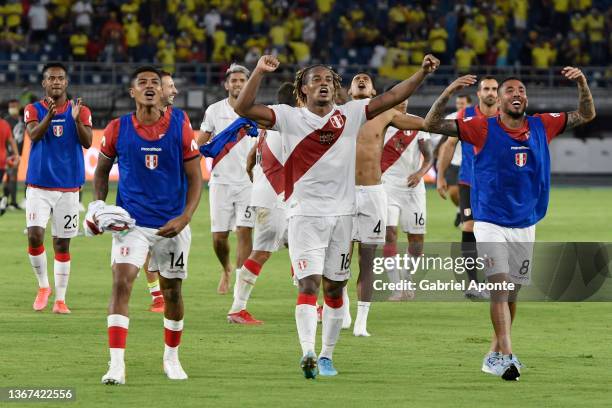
271	167
311	149
226	149
395	147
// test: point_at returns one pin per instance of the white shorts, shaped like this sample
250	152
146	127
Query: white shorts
370	222
408	208
61	206
320	246
229	207
509	249
169	256
270	229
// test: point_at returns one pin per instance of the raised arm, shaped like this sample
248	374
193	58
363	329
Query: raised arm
586	108
37	129
404	89
245	105
407	122
434	121
445	155
84	132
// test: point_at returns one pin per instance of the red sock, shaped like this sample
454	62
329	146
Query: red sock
389	250
306	299
252	266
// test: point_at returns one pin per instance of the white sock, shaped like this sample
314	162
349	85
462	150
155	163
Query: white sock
332	324
39	266
306	322
154	289
346	302
361	320
245	280
61	272
117	336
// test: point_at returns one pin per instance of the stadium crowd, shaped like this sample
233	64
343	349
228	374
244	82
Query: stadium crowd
390	36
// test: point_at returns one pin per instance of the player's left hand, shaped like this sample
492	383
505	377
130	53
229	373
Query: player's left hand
430	64
414	179
13	161
173	227
573	74
76	109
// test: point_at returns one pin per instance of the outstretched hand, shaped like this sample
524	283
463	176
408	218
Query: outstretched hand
267	63
76	109
573	74
461	82
51	108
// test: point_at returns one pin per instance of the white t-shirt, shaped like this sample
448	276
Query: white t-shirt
319	155
231	168
270	156
83	12
401	156
38	16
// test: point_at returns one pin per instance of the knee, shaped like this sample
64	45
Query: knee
309	286
35	237
61	245
260	256
391	235
333	290
171	295
220	238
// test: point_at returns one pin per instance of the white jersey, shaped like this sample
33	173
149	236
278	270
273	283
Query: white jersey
229	167
320	157
268	173
401	155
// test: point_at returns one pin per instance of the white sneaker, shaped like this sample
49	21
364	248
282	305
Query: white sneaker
347	320
115	374
360	331
490	360
507	369
477	294
174	370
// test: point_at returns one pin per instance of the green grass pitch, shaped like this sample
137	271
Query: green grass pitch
421	354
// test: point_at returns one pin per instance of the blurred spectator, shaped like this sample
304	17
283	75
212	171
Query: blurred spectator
465	57
78	43
38	16
595	27
82	11
543	56
12	12
437	42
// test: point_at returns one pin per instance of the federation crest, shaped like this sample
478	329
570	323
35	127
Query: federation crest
520	159
125	251
58	130
337	121
151	161
302	264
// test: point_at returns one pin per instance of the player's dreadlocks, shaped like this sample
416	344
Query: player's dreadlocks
299	81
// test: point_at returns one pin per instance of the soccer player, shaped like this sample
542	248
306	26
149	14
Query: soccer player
59	129
451	173
320	141
265	165
169	92
510	191
15	122
6	139
230	186
402	175
370	222
487	107
159	186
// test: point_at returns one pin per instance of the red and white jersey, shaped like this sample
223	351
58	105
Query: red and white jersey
229	167
319	157
401	156
268	173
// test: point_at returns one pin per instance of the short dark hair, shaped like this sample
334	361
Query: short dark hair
368	75
144	68
486	78
285	94
53	64
163	73
512	78
468	98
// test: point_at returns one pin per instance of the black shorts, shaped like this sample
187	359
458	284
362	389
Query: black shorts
452	175
465	205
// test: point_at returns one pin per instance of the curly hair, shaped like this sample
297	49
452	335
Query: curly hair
299	81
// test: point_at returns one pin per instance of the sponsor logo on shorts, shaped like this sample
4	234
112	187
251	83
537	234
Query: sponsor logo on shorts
302	264
520	159
124	251
31	216
151	161
58	130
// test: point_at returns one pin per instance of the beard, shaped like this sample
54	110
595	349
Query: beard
516	115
